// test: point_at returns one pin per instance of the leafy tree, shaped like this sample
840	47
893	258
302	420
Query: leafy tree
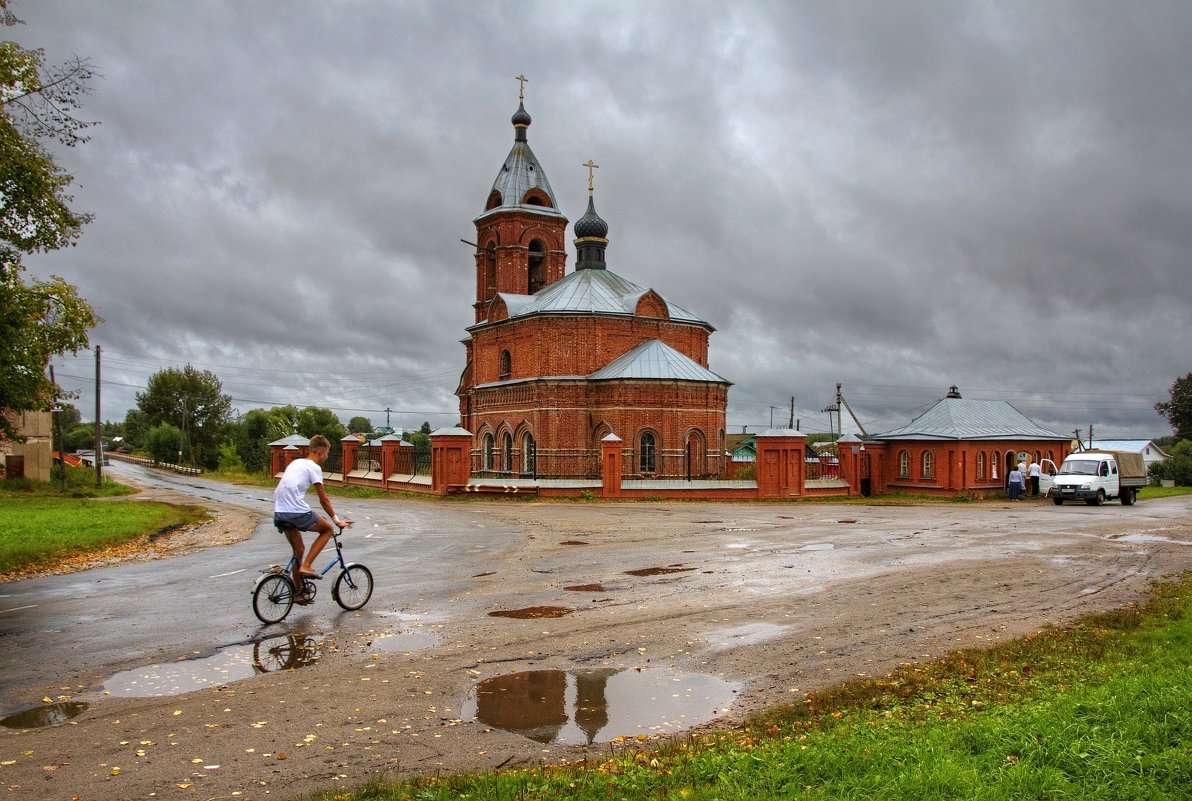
1178	466
136	425
41	318
69	417
229	458
256	430
420	441
164	442
79	438
317	420
360	425
1178	410
425	429
193	402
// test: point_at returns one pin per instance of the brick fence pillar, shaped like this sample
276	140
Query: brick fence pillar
611	458
849	452
450	459
349	446
779	465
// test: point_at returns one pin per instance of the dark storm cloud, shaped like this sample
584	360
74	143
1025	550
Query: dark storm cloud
897	197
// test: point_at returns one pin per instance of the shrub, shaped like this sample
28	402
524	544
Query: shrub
1178	467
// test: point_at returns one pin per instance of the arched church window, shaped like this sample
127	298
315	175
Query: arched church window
647	458
981	466
505	365
928	465
536	266
490	270
529	455
507	452
487	452
494	200
904	464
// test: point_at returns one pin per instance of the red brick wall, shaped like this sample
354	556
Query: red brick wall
552	345
955	464
509	234
568	419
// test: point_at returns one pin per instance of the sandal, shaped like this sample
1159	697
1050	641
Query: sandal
303	600
312	575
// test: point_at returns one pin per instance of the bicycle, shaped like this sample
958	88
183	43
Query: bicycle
273	594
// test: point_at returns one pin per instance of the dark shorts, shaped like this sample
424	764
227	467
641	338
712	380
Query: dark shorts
303	521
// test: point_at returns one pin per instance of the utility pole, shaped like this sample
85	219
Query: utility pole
792	421
98	427
56	432
387	410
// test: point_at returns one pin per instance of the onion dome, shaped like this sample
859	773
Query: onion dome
591	233
521	121
591	224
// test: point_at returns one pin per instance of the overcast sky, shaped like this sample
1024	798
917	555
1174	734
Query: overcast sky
895	196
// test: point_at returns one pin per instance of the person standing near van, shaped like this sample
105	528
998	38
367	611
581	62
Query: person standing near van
1016	483
1035	472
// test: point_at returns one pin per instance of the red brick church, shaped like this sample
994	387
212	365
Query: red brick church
557	362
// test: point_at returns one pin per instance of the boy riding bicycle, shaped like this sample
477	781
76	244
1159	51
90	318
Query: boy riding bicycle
292	514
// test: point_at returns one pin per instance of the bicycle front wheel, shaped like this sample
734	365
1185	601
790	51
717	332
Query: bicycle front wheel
353	587
273	598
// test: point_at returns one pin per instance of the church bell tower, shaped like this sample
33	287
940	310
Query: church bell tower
521	233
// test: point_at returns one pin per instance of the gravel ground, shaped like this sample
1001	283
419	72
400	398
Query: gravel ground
763	602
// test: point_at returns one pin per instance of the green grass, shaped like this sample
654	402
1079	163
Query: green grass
37	531
1098	709
1163	492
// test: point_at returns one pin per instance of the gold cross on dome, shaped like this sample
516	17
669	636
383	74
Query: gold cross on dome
591	165
521	90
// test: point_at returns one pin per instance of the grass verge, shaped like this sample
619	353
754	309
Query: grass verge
40	527
1101	708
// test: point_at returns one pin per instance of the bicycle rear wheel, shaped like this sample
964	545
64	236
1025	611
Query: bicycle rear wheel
273	598
353	587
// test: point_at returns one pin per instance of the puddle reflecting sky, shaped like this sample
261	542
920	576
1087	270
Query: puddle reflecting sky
591	706
239	662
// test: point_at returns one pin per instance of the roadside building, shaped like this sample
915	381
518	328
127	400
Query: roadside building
1149	451
961	446
30	456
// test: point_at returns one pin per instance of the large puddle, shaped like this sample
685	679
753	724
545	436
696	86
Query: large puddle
590	706
239	662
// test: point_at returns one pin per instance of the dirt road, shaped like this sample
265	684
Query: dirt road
742	606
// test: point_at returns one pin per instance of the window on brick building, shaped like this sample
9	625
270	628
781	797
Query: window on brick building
490	271
537	266
505	366
529	455
904	464
981	466
507	452
928	464
487	452
647	458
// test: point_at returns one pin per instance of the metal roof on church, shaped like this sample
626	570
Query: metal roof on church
957	418
590	292
520	173
655	359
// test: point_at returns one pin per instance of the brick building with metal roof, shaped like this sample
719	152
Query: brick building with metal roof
557	361
960	445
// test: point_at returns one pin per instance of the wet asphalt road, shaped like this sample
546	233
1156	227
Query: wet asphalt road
77	630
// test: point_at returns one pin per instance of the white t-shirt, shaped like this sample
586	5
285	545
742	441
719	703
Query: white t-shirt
290	495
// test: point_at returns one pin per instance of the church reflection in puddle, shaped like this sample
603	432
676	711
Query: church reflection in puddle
589	706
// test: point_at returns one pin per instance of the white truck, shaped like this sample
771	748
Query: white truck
1097	476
